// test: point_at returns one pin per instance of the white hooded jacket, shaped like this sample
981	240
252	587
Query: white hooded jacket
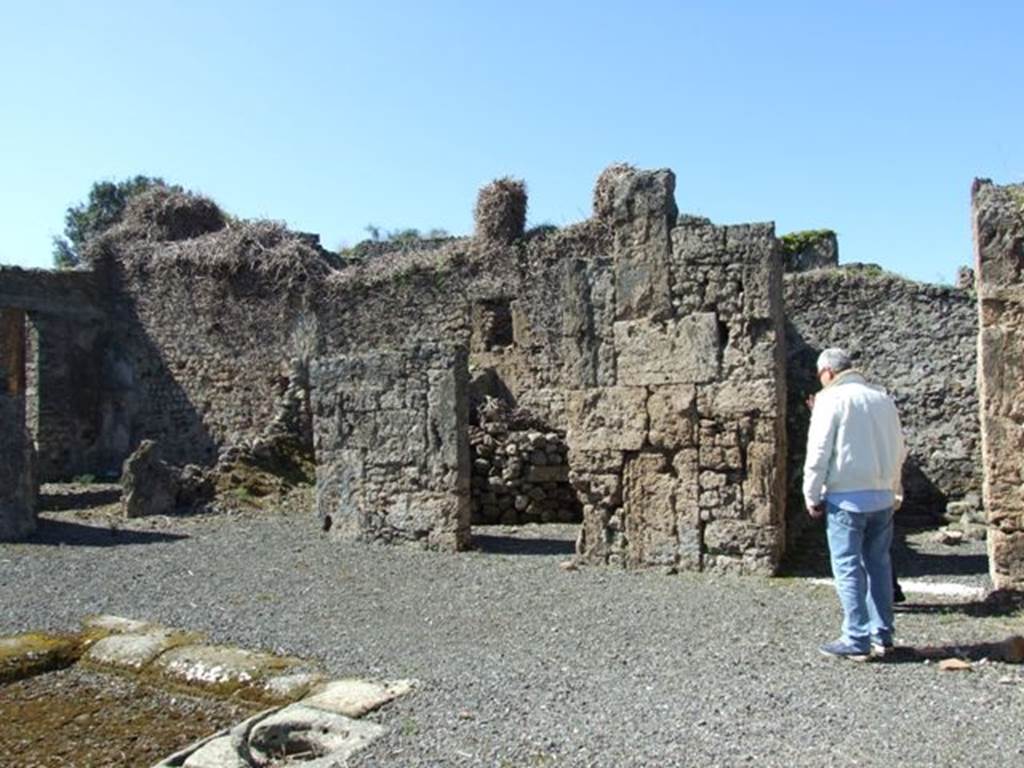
855	442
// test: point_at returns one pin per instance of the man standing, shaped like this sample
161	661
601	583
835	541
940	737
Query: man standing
855	453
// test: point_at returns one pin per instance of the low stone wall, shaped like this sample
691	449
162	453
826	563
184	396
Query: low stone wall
390	435
998	215
916	340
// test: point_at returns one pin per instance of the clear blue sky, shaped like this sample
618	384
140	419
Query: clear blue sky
870	118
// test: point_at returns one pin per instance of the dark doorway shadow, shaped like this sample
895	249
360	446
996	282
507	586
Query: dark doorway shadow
61	533
514	545
808	557
911	563
79	499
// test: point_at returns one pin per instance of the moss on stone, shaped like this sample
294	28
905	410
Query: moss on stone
798	242
33	653
285	465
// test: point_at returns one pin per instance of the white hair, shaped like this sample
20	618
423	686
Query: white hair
835	359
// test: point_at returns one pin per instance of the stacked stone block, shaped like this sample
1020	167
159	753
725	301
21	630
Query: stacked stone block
679	463
390	434
998	216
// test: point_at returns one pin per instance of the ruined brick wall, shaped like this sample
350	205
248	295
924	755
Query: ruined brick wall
391	445
916	340
671	325
998	218
676	452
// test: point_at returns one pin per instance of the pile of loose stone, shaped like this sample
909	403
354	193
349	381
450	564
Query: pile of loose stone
520	472
965	519
266	465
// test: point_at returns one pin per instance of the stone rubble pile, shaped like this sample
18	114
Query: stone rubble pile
965	519
519	475
271	463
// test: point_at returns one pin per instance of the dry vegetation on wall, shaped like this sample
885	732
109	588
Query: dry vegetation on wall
500	213
164	229
797	242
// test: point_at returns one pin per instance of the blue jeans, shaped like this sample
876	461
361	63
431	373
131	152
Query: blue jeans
859	544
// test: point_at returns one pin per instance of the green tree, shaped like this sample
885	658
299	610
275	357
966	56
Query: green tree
103	209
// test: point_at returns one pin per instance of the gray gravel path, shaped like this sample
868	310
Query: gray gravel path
524	664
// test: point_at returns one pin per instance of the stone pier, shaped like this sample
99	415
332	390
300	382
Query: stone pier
392	445
17	481
998	218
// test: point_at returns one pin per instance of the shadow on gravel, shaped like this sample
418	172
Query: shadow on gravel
60	533
809	558
910	564
59	502
995	604
513	545
1005	650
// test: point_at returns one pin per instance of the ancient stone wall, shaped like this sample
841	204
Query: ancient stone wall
916	340
634	315
70	415
391	445
205	330
998	217
72	294
66	385
675	453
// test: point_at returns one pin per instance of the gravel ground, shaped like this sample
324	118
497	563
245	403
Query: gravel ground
521	663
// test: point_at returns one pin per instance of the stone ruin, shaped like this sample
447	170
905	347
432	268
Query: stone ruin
998	217
640	372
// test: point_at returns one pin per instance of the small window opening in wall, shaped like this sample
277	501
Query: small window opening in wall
494	324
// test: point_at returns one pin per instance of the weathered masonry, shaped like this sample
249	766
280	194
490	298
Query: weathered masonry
391	439
636	372
998	214
919	341
29	301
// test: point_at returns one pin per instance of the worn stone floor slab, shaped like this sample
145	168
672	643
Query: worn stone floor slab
354	698
133	652
223	670
107	623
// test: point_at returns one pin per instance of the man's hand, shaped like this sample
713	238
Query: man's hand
816	511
